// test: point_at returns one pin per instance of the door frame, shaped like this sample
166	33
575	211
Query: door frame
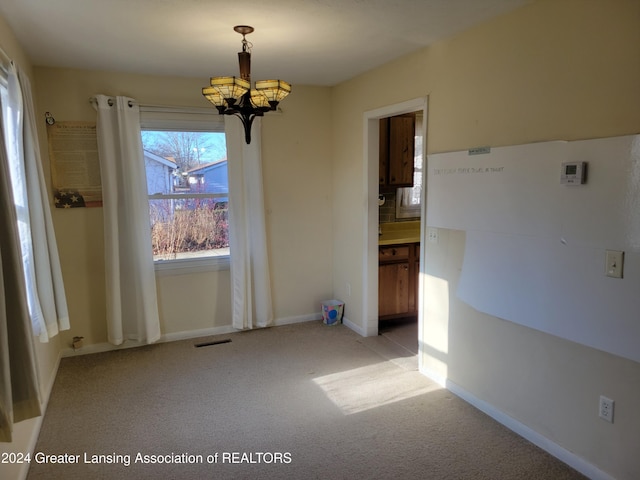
370	234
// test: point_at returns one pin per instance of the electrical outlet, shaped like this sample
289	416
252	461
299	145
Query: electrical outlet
348	289
606	409
432	233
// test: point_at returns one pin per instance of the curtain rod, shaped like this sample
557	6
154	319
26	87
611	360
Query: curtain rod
207	110
170	108
182	109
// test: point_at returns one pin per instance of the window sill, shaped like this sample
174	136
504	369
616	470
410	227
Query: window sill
184	266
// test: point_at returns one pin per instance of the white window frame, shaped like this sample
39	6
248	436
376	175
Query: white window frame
193	119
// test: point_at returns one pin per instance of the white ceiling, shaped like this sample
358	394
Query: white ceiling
312	42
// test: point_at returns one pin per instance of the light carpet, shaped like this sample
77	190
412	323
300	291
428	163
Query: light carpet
301	401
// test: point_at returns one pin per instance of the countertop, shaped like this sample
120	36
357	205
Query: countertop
399	232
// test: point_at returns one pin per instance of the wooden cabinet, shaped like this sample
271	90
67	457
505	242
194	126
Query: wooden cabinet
397	151
393	291
398	280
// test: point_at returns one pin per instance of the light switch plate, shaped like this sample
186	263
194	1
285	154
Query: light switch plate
614	263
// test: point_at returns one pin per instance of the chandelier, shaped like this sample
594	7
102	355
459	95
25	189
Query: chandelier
234	95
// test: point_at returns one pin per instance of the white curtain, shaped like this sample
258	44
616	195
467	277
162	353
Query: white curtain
47	288
132	306
250	282
43	279
19	391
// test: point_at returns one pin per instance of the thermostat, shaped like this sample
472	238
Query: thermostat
573	173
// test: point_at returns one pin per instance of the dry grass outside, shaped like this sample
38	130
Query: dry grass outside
191	226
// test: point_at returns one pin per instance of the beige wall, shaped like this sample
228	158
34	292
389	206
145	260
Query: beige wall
556	69
297	171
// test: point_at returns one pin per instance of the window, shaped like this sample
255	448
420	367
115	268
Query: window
408	199
185	158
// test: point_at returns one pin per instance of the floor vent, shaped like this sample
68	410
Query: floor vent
217	342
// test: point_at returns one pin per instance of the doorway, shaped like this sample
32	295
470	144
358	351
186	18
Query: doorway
371	224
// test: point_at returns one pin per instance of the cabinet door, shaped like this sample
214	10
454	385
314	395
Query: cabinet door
393	289
401	150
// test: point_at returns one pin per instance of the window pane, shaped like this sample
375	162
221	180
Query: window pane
189	164
185	162
188	228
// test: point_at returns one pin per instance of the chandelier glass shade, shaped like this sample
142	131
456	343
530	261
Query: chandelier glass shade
234	95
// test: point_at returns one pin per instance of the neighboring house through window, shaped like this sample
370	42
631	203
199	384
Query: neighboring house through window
160	172
210	177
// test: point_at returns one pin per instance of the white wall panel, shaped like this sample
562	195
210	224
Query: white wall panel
535	249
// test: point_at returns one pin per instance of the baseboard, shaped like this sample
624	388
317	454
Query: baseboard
432	375
310	317
203	332
184	335
168	337
356	328
561	453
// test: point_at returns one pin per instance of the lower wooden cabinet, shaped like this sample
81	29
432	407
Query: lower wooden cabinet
393	289
398	280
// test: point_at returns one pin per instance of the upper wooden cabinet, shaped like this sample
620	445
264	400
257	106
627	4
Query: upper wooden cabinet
397	151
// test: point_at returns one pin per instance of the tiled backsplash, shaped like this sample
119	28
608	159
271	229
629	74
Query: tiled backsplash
387	212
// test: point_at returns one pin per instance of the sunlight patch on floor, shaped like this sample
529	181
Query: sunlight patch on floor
372	386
